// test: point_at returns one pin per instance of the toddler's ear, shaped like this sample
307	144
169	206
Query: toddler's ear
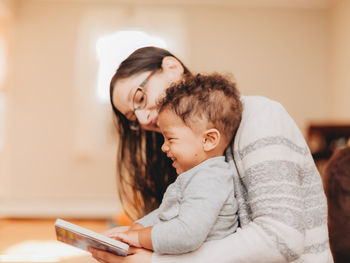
211	139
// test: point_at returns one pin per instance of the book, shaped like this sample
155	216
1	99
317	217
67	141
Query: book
83	238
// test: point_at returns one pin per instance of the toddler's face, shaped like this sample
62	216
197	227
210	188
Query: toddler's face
182	144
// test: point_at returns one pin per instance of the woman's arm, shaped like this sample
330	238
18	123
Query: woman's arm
240	247
245	246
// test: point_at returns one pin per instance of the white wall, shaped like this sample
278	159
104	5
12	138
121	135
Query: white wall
5	11
281	53
278	53
339	88
43	173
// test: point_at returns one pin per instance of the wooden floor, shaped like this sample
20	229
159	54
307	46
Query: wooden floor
34	240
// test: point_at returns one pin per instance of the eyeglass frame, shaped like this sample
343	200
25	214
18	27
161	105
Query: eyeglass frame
134	124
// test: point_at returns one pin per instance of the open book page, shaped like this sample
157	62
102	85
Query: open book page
83	238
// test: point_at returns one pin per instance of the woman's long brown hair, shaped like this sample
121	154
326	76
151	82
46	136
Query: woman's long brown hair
143	170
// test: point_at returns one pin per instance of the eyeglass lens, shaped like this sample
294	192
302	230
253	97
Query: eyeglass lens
140	99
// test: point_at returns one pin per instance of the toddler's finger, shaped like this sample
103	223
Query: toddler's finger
117	235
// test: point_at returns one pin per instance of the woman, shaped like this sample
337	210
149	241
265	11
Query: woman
282	207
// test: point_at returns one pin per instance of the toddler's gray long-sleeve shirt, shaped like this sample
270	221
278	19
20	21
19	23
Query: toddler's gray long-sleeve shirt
199	206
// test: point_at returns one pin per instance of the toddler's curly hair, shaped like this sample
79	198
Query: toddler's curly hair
213	98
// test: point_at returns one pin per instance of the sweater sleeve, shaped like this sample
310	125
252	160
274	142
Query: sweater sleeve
244	246
149	220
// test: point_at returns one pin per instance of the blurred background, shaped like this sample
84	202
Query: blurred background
57	140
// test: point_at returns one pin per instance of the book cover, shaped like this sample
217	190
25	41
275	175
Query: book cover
83	238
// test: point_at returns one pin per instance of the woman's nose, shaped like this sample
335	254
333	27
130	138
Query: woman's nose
143	116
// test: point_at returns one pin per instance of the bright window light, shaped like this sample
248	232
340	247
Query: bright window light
113	49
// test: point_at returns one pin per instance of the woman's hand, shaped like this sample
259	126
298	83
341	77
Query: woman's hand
137	255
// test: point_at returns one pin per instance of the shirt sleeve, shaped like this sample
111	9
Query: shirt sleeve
149	220
201	204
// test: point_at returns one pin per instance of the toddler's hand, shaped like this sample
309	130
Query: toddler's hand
131	237
112	231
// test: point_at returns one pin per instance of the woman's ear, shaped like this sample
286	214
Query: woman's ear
211	139
172	66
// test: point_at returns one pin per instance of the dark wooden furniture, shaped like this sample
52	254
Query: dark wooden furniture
324	139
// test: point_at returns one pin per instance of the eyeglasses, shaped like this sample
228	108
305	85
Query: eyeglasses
139	102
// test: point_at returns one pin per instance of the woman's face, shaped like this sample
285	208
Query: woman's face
156	83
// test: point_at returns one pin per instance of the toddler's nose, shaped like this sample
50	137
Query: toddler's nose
165	148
